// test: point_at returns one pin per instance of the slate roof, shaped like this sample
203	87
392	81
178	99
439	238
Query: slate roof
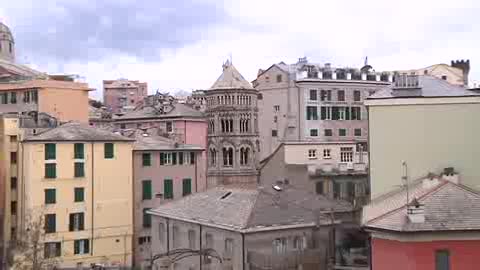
230	79
74	131
429	87
144	143
448	207
246	210
179	110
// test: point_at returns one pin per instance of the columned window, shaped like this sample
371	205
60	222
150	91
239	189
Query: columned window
244	155
213	157
227	156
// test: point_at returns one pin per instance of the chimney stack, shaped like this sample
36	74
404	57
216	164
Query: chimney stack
416	211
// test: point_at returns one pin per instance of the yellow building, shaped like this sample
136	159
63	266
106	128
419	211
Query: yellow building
78	180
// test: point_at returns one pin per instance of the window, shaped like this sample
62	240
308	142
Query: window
313	132
13	182
147	218
147	159
244	155
50	170
144	240
442	260
326	154
319	188
337	188
169	126
350	191
52	249
79	170
346	154
77	222
213	157
357	95
192	239
313	94
326	113
175	236
186	186
168	189
326	95
357	132
274	133
13	139
34	96
208	244
26	97
279	78
50	151
356	113
50	223
444	77
227	156
341	113
312	153
13	97
280	245
192	158
4	98
275	119
122	126
312	113
79	194
50	196
299	243
341	95
276	108
146	190
161	232
328	133
342	132
81	246
13	208
108	150
13	157
78	150
229	244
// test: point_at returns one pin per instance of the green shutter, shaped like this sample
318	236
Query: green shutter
174	158
50	151
147	218
168	189
162	158
50	223
187	186
78	151
76	247
79	194
146	159
50	170
79	169
50	196
146	190
108	150
86	247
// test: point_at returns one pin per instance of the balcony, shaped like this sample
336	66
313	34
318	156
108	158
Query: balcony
309	259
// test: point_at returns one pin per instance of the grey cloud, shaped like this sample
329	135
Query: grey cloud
66	30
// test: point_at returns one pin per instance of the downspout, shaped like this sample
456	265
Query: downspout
93	200
168	234
200	226
298	111
243	251
196	172
185	131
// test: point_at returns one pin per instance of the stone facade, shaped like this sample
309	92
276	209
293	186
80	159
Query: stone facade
123	95
233	141
7	44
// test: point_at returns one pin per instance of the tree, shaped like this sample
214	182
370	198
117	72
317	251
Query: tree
27	249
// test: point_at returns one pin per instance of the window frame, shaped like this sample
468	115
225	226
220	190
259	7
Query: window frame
147	193
312	153
50	196
78	194
109	150
50	171
146	159
79	169
79	151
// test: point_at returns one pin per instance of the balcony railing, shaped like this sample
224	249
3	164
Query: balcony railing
309	259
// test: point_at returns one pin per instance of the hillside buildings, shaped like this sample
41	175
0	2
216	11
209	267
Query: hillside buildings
123	95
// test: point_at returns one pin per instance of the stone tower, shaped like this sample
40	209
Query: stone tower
7	44
233	137
465	67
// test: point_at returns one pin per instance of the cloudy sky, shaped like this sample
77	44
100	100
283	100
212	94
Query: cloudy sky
181	44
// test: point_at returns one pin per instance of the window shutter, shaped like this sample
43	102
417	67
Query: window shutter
76	247
187	186
180	158
162	158
146	159
174	158
108	150
347	113
81	226
86	246
78	151
146	190
192	158
79	169
168	188
58	249
50	151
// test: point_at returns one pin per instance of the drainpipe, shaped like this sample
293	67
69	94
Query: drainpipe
168	234
196	172
200	226
93	200
298	111
243	251
185	131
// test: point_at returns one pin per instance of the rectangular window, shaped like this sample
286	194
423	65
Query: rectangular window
79	170
279	78
342	132
180	158
312	153
13	182
165	158
13	139
280	245
442	260
147	218
77	222
81	246
175	236
4	98
78	151
13	97
274	133
337	188
50	196
346	154
52	249
356	95
146	159
341	113
79	194
146	190
174	158
168	189
276	108
192	158
325	113
108	150
358	132
187	186
50	223
319	187
326	95
13	157
169	126
50	170
313	94
161	232
229	244
13	208
326	154
341	95
312	113
50	151
328	133
313	132
299	243
192	239
335	113
356	113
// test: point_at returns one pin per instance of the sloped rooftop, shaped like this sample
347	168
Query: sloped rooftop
179	110
150	142
230	79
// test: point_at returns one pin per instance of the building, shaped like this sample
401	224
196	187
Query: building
233	141
74	179
434	224
197	100
123	95
426	116
337	170
273	229
7	43
456	73
311	102
163	170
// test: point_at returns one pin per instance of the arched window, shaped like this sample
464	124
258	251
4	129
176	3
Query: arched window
244	155
213	157
227	156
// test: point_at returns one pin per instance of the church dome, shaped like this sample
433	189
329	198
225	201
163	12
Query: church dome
7	43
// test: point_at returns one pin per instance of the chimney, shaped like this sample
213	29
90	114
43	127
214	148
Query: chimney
430	181
416	211
449	174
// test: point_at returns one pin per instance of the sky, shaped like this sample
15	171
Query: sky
181	44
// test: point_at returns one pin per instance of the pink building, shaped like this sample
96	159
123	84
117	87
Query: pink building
163	171
123	95
439	229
